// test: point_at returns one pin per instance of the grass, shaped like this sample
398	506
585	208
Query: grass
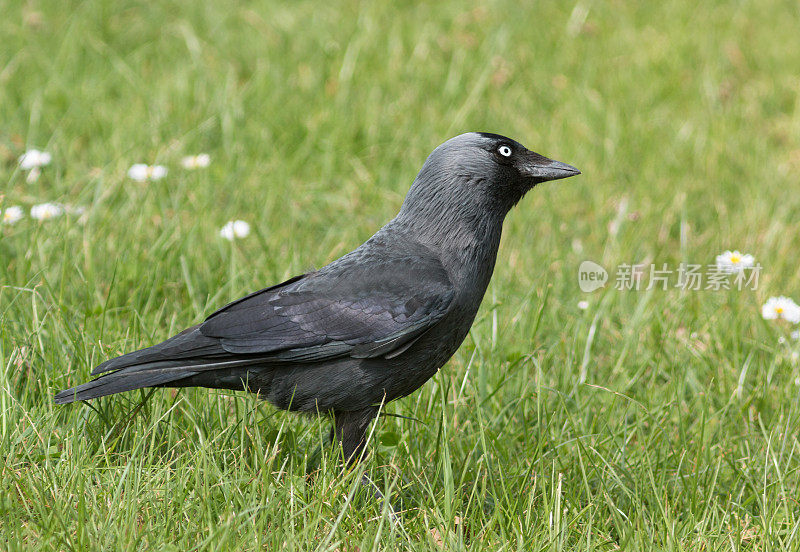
660	420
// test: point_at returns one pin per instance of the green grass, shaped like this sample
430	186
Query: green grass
684	434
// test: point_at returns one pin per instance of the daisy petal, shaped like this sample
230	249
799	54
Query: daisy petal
13	214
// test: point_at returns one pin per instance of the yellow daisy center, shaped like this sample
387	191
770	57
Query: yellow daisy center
735	259
779	310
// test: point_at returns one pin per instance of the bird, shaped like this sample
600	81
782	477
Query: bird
370	327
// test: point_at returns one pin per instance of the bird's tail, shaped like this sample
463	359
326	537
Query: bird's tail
151	374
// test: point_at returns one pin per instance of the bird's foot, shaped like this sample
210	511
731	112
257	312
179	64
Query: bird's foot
394	517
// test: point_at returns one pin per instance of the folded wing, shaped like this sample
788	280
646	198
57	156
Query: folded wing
360	307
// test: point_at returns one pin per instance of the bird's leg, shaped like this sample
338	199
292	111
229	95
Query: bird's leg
350	430
376	492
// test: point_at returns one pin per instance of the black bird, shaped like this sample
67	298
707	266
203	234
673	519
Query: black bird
370	327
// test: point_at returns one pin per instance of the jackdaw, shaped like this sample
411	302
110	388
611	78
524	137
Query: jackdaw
370	327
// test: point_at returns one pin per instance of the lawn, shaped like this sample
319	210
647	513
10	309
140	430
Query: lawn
618	419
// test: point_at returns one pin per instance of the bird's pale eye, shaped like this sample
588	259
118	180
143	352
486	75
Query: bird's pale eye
505	151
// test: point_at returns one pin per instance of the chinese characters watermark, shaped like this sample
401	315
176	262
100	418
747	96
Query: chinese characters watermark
686	276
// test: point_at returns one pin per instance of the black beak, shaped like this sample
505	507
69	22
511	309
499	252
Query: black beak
541	169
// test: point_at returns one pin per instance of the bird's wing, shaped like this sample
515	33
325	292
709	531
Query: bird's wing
360	307
365	305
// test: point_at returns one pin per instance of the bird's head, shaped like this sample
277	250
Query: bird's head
511	162
481	170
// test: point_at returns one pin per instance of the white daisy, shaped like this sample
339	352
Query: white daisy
583	305
235	229
13	214
141	172
241	229
157	172
781	307
33	159
795	335
46	211
199	161
138	172
734	261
